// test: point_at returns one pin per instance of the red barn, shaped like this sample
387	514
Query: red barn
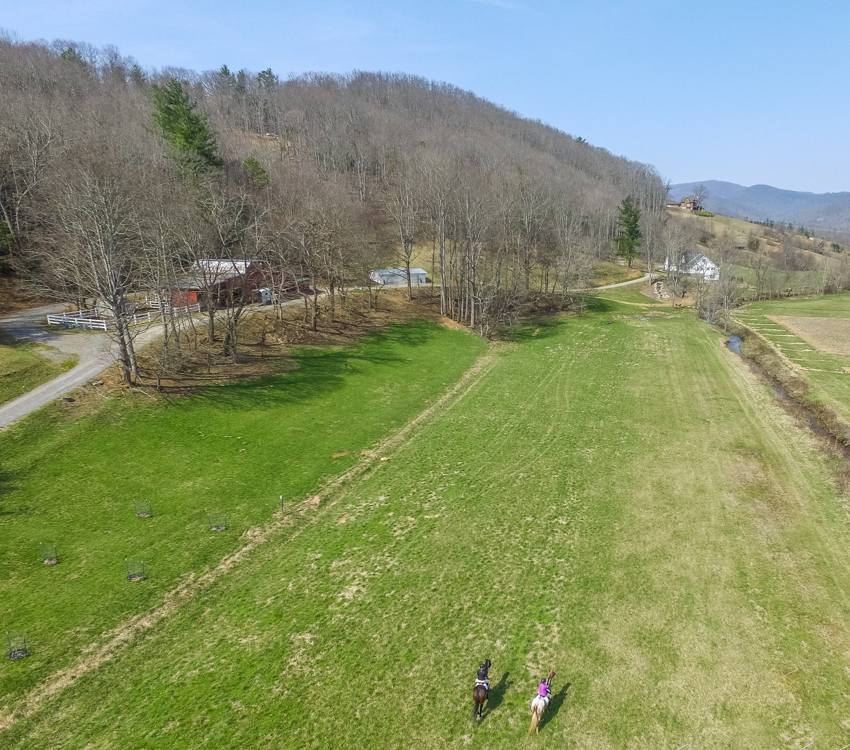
224	282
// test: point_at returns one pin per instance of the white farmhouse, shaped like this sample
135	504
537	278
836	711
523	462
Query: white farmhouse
399	276
695	264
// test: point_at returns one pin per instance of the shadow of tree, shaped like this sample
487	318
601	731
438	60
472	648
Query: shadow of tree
497	694
555	705
320	371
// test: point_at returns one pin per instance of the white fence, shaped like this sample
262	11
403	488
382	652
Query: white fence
165	306
143	317
89	320
187	310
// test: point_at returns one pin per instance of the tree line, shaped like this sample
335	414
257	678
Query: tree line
114	179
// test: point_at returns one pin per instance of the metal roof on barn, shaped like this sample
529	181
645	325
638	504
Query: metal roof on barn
398	271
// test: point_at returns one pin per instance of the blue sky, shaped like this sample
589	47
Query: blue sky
748	91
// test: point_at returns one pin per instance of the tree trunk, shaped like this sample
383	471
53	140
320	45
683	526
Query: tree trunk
124	357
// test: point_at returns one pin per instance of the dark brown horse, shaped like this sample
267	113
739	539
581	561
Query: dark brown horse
481	690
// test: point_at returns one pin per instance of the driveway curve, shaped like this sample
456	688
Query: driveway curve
95	350
645	277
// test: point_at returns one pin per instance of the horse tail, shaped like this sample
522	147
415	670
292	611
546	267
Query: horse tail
535	720
474	707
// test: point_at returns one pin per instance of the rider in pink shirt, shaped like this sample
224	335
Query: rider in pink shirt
544	691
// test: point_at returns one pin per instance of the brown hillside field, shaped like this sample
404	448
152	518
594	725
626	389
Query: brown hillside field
827	335
14	297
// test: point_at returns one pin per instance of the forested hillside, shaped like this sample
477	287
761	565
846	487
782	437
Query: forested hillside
114	178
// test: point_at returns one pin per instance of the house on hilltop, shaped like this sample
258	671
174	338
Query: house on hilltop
691	203
694	264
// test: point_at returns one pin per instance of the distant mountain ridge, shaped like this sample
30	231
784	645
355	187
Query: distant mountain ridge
760	202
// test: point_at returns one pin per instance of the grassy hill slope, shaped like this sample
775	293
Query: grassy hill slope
23	367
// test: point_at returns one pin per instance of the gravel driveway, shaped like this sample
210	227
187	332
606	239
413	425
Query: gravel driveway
96	351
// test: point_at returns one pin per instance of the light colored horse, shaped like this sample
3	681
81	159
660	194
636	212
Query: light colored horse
538	706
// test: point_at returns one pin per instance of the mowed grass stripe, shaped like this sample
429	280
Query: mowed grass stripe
627	506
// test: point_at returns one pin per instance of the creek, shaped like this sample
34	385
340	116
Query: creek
815	425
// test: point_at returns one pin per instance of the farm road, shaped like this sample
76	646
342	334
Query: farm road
96	351
645	277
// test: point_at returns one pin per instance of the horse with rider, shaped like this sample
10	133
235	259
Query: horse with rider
540	702
481	690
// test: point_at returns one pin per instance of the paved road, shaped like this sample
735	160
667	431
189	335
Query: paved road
96	351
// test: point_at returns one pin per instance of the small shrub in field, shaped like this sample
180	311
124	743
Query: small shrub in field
143	508
217	521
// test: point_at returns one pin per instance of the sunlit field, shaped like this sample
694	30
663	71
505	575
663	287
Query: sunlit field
616	499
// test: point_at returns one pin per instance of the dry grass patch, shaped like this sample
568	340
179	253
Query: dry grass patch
827	335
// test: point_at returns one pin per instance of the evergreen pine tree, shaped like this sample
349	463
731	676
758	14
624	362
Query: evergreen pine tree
629	237
255	172
184	128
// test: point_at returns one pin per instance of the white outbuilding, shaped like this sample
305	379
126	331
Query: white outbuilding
399	276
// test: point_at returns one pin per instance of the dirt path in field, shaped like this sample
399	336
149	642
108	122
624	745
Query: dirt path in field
191	585
623	302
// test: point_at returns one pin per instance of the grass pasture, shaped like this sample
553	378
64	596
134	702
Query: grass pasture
234	449
615	498
824	371
23	366
631	295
